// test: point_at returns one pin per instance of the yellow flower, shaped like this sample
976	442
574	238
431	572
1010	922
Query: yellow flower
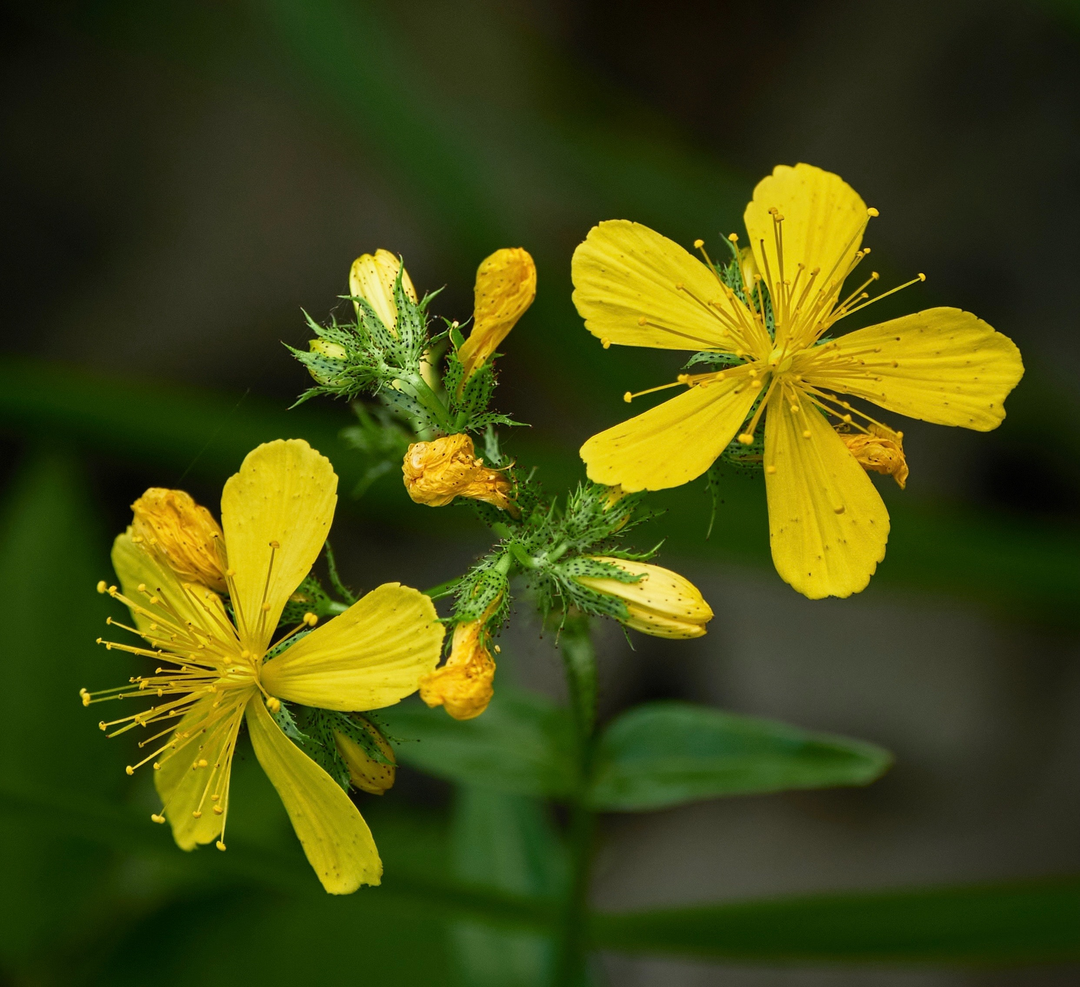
367	774
212	671
372	278
465	684
662	603
438	471
505	288
181	534
828	525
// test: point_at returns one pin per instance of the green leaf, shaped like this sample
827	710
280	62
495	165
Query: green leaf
505	842
668	753
521	744
1020	922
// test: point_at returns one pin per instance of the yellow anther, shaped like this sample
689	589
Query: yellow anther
838	510
230	572
497	649
102	586
679	286
218	810
628	397
733	237
102	726
220	845
872	212
806	434
922	277
214	798
266	608
154	601
606	343
642	321
142	587
698	244
157	767
310	619
746	438
130	770
275	544
272	704
197	814
203	762
157	817
770	470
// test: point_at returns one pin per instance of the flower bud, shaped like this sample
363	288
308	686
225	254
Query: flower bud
329	360
181	534
372	278
747	269
365	772
880	450
438	471
662	603
464	685
505	288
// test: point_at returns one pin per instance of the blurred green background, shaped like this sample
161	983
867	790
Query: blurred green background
178	178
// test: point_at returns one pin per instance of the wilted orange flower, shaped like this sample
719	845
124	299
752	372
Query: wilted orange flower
438	471
182	535
465	684
880	450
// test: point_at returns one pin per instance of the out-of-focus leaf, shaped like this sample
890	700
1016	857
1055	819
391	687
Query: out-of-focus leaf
1008	923
522	744
1015	923
505	842
668	753
49	562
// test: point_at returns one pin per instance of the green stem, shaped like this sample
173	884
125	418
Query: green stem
579	662
443	589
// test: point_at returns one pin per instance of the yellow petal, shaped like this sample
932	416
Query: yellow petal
943	365
136	567
371	656
335	838
673	443
277	509
827	523
823	222
372	278
505	288
625	273
185	785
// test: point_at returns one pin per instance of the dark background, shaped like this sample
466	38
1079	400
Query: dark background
178	179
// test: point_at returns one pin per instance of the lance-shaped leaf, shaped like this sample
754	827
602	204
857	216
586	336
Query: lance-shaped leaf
669	753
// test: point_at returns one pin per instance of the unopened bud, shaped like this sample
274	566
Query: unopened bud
183	535
438	471
329	358
464	685
747	268
505	288
662	603
365	772
881	450
372	278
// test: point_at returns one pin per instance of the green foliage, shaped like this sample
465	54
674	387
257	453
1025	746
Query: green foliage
521	745
669	753
507	842
997	924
